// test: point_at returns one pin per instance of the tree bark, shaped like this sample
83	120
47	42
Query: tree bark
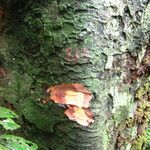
100	44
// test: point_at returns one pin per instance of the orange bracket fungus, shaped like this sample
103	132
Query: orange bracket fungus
70	94
77	98
80	115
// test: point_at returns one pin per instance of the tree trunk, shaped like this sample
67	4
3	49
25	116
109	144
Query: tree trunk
98	43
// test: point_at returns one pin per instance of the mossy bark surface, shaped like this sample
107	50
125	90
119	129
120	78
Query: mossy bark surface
99	44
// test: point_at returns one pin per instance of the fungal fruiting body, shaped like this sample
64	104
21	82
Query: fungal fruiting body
81	115
77	98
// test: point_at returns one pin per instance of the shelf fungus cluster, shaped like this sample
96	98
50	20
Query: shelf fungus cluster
77	98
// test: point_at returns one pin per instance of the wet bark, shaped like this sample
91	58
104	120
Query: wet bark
100	44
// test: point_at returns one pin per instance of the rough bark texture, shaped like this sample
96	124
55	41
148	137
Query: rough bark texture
99	43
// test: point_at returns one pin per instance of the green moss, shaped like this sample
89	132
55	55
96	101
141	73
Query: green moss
139	143
142	114
59	39
57	24
143	91
43	117
18	87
